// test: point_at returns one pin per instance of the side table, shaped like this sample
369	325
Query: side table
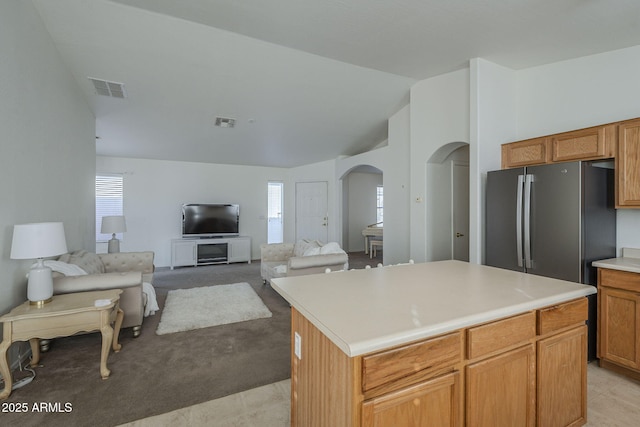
65	315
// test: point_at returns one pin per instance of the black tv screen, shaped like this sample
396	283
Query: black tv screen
210	220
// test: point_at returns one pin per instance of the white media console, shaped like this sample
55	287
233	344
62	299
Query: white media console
194	252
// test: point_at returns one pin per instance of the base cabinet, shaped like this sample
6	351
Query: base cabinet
501	390
428	404
561	382
619	320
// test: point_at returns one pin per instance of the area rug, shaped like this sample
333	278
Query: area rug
195	308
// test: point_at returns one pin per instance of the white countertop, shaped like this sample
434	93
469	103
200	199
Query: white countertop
629	261
367	310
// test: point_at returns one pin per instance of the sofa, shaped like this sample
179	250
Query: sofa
83	271
303	257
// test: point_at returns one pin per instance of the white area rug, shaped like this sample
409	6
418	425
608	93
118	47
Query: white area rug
187	309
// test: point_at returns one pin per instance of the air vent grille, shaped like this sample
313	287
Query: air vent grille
107	88
225	122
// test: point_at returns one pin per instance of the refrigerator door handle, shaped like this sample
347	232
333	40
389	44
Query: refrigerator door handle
528	262
519	220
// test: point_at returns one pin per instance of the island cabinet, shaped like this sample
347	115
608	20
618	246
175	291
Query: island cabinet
619	321
525	370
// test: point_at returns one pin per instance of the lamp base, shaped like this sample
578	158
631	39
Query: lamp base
40	303
39	285
114	246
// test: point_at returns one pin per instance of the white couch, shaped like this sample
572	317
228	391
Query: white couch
303	257
124	270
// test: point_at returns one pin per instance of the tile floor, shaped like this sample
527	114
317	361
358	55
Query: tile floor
613	401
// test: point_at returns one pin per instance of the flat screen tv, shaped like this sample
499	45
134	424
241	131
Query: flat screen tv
210	220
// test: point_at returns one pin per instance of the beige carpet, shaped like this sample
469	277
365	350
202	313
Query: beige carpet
195	308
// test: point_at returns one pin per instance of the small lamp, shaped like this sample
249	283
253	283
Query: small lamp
38	241
113	224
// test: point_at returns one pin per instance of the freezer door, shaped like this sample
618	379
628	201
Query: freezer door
555	221
502	221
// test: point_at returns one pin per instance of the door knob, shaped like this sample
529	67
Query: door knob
459	235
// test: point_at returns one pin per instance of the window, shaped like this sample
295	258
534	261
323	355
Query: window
274	212
108	202
379	203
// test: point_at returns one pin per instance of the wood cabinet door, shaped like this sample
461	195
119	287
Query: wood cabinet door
619	313
432	403
562	379
585	144
501	390
628	165
524	153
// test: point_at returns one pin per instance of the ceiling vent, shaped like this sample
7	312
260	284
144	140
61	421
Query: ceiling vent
107	88
224	122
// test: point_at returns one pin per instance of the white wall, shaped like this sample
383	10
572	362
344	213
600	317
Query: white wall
392	159
580	93
493	123
47	160
154	191
439	115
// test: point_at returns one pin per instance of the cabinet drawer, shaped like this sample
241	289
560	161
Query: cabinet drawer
562	315
501	334
619	279
434	355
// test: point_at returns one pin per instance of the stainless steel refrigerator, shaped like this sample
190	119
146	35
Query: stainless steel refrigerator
552	220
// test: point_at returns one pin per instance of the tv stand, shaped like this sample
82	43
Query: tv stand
207	251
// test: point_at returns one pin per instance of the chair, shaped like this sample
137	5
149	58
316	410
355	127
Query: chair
374	244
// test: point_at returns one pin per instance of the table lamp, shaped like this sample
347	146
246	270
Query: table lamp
113	224
38	241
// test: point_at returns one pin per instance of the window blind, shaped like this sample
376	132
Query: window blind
109	201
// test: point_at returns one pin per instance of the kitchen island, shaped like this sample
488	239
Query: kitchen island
443	343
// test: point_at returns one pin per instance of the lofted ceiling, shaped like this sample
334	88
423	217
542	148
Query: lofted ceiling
305	80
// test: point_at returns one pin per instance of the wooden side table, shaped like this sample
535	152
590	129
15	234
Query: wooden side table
65	315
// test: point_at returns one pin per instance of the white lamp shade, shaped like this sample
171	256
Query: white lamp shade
38	240
113	224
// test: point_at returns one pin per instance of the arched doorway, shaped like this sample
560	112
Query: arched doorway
360	188
447	203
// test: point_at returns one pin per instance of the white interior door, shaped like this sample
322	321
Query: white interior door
312	211
460	210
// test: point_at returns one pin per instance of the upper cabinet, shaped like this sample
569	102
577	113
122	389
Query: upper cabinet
585	144
525	153
598	142
619	141
628	165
